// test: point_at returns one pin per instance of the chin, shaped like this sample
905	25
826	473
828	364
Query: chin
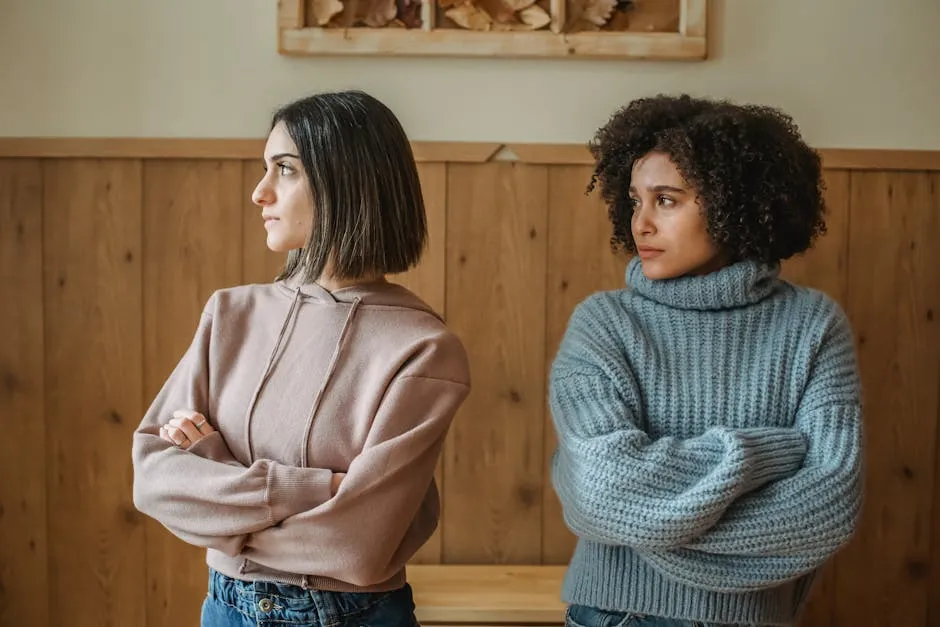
656	271
280	242
276	245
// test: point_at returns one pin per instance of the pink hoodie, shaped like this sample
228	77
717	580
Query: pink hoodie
301	383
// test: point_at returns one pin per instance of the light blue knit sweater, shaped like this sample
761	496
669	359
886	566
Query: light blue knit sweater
710	444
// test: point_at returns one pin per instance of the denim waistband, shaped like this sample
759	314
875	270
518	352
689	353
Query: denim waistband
279	602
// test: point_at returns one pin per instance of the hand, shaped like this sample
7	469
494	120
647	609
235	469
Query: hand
186	428
336	481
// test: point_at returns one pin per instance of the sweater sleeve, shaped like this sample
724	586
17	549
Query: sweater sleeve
616	484
204	495
794	525
359	536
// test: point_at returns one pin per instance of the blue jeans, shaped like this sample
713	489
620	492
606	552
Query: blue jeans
584	616
234	603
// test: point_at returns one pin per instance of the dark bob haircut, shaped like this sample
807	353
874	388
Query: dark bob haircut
760	185
369	215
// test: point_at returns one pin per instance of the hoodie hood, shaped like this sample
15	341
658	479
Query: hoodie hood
384	293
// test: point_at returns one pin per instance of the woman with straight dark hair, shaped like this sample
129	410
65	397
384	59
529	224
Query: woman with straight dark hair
296	439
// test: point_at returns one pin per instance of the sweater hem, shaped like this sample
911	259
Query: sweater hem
618	579
246	570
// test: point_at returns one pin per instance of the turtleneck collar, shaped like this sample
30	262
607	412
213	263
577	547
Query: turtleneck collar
737	285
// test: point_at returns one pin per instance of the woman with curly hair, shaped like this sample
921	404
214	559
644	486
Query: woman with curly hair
709	415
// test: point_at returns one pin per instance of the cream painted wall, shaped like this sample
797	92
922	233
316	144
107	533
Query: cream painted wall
854	73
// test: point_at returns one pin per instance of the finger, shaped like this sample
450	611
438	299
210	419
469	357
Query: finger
178	437
199	421
186	426
165	435
184	413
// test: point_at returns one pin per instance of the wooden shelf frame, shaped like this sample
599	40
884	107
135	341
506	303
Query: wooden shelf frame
689	43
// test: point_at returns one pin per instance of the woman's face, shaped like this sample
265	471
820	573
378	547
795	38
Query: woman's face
668	223
284	194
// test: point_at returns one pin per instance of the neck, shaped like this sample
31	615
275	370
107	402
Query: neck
714	264
333	283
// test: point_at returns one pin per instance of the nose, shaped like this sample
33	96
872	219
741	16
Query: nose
263	195
642	222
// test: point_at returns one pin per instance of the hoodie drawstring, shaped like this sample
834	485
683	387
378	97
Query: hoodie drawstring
267	371
334	360
326	379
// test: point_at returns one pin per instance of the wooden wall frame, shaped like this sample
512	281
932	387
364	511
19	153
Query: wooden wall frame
424	151
296	37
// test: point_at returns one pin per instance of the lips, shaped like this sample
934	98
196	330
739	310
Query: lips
648	252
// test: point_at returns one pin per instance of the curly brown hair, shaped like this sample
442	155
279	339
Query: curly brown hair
760	185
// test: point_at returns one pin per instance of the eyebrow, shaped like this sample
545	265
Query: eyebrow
662	188
281	155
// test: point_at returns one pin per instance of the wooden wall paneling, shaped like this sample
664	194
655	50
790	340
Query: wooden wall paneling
23	549
825	266
580	262
92	320
427	280
192	247
259	264
106	264
496	256
931	319
893	292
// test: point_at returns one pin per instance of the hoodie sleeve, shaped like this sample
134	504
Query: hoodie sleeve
204	495
360	535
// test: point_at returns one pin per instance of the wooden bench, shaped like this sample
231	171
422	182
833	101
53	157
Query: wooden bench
490	596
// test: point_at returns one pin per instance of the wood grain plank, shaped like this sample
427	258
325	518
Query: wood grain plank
825	266
496	256
462	43
694	22
192	241
24	584
933	600
487	595
427	280
259	263
580	262
92	294
893	294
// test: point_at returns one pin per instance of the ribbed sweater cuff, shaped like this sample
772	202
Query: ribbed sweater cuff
773	453
293	490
